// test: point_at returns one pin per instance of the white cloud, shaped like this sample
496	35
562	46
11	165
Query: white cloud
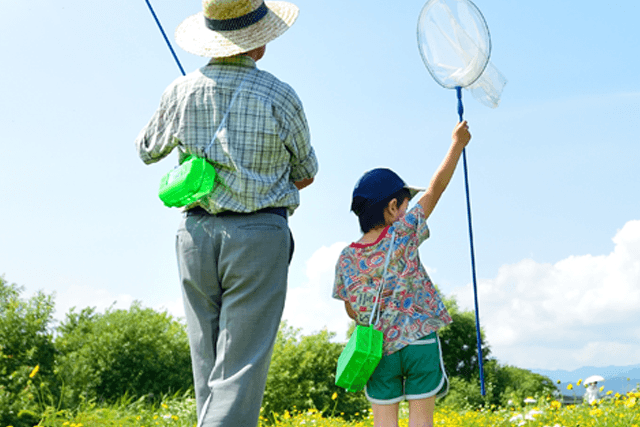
310	306
174	308
82	296
583	310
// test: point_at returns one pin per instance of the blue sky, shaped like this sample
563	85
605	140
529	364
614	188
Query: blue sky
553	170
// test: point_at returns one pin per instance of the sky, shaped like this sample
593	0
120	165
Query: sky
553	170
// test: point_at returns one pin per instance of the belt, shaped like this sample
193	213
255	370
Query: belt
201	211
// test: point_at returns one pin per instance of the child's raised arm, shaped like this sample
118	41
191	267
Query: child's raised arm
459	139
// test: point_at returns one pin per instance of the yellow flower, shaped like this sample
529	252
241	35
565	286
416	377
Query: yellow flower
601	389
579	382
596	412
34	372
334	396
630	403
165	406
570	387
610	392
556	405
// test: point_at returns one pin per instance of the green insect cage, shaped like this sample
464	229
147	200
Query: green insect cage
187	183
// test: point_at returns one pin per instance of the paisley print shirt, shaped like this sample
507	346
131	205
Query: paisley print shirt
414	310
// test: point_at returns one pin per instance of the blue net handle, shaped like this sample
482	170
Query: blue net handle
166	39
473	256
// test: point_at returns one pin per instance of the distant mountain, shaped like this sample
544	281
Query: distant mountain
619	379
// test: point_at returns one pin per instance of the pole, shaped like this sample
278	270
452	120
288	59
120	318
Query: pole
473	257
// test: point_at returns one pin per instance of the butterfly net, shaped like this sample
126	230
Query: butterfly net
455	45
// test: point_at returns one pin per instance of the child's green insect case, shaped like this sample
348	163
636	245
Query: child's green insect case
359	358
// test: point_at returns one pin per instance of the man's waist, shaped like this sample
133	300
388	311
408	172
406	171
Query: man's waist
283	212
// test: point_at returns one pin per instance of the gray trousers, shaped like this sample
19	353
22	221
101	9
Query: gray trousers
233	271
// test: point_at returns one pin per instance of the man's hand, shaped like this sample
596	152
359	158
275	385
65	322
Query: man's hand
304	183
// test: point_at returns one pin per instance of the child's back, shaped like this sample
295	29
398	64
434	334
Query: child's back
412	311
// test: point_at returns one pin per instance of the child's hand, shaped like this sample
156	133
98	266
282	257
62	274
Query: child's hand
461	134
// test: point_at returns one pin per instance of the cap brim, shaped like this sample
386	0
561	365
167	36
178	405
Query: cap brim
414	190
193	36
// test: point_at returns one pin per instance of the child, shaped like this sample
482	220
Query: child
411	367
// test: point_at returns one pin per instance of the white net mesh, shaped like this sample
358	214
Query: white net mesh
488	88
455	45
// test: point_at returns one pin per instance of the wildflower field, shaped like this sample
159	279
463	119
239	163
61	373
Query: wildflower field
178	411
617	410
115	369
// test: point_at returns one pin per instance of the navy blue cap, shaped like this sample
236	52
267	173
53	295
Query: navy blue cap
375	186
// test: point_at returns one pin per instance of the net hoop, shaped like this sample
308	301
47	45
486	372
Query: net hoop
454	42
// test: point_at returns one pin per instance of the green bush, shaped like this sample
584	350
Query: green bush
502	383
460	343
26	342
141	353
135	352
517	384
463	395
302	376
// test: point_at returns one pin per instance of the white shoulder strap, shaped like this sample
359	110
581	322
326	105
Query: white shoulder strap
224	119
376	312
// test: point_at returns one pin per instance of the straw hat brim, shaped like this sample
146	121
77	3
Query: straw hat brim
193	36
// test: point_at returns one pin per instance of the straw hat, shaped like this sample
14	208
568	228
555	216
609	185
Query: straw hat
229	27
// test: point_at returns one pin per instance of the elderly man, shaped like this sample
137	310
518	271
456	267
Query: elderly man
234	244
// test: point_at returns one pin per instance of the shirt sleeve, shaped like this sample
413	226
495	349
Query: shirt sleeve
413	222
297	138
354	287
157	139
339	290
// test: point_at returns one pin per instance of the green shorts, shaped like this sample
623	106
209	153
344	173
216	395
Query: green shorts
414	372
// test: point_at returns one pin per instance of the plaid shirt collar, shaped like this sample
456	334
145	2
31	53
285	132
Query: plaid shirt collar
241	60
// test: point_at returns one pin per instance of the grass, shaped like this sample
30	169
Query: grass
178	411
619	411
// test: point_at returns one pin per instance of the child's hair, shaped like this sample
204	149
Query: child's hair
372	216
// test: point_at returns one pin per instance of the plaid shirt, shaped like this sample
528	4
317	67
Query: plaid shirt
261	151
